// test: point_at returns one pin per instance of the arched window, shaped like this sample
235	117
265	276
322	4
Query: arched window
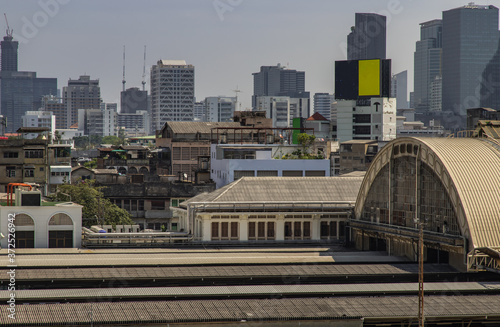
24	220
132	170
122	170
143	170
60	219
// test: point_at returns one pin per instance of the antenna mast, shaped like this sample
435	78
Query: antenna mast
9	30
123	80
144	71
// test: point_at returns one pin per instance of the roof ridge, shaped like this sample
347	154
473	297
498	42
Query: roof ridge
227	189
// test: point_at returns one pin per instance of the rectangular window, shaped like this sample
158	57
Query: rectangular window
341	228
362	119
157	205
33	154
141	205
362	130
11	171
174	226
234	230
292	173
288	229
133	204
126	205
29	172
324	229
251	230
215	230
307	229
333	229
11	154
297	232
270	231
224	230
262	230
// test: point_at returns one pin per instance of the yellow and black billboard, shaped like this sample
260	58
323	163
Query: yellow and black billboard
356	79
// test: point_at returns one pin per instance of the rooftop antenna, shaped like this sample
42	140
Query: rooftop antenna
236	92
123	80
144	71
9	30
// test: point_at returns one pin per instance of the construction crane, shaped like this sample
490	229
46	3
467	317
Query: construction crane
9	30
123	80
144	71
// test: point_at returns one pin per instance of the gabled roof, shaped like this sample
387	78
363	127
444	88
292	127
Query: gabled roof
317	116
285	189
81	167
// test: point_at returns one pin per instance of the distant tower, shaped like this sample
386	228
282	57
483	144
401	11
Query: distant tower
82	93
9	51
367	38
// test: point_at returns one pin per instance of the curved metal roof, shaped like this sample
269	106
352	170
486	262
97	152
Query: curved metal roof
469	168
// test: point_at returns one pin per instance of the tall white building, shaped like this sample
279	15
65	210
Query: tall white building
220	109
101	121
369	119
323	104
172	92
39	119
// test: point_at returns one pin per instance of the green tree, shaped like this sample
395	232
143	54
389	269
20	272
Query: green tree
112	139
96	208
306	141
84	142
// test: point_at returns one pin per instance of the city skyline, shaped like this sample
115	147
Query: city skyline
226	39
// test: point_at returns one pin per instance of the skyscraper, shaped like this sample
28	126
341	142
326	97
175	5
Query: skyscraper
20	91
82	93
367	39
427	63
9	53
172	92
470	40
278	81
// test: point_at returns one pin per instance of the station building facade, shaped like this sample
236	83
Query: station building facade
451	185
272	209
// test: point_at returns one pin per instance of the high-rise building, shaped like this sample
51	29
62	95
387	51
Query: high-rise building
136	124
323	104
470	40
172	92
82	93
132	100
20	91
490	88
220	109
427	63
101	121
9	53
399	89
278	81
367	39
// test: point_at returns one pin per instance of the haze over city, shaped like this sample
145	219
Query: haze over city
225	40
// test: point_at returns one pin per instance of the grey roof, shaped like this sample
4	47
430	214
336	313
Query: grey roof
483	307
258	271
134	147
285	189
188	127
248	290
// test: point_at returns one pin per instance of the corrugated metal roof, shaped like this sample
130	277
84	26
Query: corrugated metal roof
482	307
246	290
223	271
294	189
188	127
474	166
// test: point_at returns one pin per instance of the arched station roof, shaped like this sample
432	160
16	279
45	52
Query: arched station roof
468	168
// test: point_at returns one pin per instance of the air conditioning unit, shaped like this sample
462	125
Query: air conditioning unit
28	198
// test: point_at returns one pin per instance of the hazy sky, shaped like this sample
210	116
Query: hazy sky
226	40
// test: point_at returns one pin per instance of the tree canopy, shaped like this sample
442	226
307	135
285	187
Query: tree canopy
96	209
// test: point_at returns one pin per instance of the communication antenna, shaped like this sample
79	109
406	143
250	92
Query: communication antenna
123	80
236	93
9	30
144	71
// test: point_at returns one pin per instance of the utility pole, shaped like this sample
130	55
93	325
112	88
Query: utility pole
421	317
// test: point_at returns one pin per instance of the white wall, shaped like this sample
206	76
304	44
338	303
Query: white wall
41	216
